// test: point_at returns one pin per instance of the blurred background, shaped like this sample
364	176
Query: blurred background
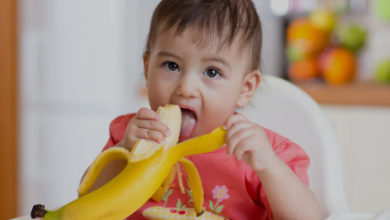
68	68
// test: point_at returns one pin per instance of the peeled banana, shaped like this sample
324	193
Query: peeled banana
136	184
171	116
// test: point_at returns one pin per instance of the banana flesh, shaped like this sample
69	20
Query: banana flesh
171	116
164	186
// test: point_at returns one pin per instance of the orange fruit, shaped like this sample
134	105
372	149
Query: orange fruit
338	66
304	69
306	36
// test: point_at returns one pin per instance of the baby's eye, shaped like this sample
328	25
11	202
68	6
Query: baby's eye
212	73
171	66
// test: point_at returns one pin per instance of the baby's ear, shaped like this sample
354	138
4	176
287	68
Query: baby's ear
146	59
249	86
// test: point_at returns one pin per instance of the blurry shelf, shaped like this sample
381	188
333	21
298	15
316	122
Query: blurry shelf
359	93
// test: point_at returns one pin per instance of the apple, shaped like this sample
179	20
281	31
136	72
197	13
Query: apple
382	72
352	36
323	20
294	53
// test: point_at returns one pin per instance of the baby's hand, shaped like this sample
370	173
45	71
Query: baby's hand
145	125
249	142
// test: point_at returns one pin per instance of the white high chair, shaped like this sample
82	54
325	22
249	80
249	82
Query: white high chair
284	108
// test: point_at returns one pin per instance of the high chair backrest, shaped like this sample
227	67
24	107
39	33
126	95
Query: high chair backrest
284	108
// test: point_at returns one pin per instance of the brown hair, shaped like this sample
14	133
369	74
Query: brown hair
224	19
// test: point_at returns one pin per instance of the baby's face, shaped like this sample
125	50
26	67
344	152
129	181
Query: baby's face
205	82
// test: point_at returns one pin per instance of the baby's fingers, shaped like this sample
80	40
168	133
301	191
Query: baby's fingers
154	125
145	113
238	127
244	146
150	135
237	117
232	142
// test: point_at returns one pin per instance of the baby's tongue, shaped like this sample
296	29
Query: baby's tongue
188	122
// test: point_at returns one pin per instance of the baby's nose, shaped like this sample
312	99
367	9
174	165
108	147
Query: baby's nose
188	87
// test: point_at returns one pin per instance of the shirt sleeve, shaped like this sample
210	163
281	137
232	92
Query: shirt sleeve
294	156
117	130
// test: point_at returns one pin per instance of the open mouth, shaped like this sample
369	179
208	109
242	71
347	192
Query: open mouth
188	123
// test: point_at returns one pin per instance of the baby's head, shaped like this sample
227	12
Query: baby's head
203	55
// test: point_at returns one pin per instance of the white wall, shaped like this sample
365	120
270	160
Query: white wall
75	78
272	51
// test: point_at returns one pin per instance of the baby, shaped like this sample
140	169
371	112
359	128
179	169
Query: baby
204	56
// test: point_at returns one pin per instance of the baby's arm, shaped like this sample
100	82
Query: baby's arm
287	195
144	125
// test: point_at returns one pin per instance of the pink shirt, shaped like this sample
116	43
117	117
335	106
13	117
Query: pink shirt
232	190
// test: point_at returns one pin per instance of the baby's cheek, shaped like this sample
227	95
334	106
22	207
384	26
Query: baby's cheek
221	109
168	76
157	95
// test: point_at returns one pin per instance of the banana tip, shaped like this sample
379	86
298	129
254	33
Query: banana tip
200	213
38	211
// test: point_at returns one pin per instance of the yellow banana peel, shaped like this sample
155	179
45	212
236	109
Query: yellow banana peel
137	183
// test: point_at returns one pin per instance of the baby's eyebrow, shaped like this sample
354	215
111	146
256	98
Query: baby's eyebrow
168	54
218	59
